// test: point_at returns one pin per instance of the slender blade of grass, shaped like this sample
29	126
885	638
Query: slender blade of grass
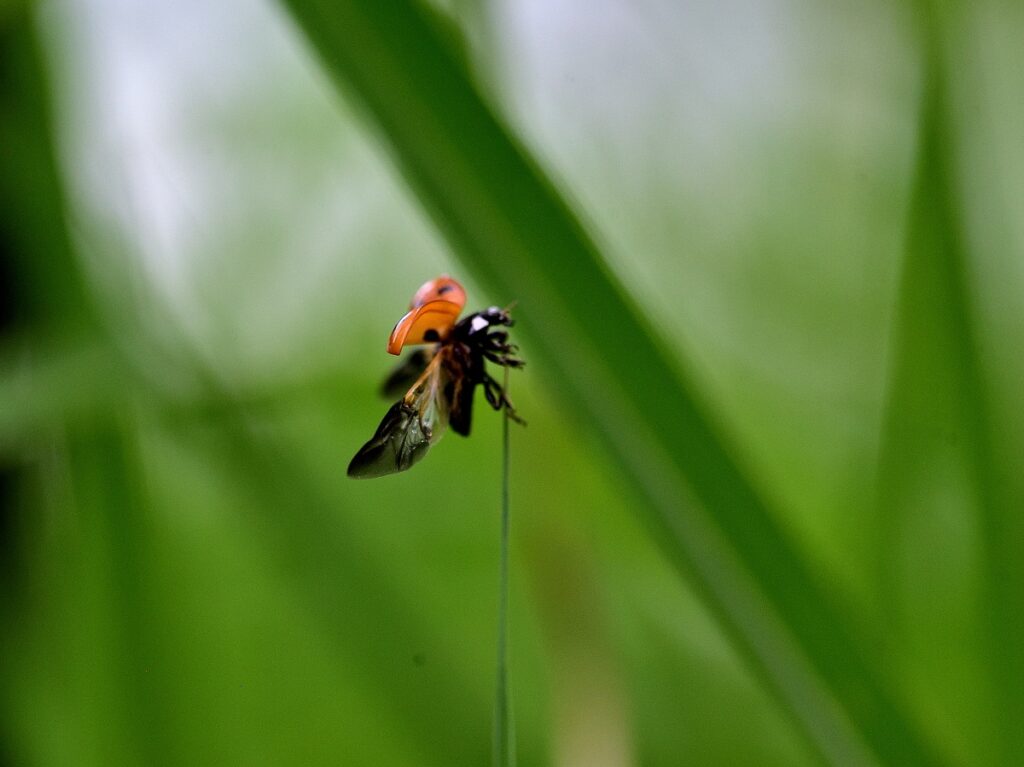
504	736
510	227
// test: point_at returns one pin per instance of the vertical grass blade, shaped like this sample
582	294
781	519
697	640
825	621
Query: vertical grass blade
504	734
109	499
939	433
510	227
54	302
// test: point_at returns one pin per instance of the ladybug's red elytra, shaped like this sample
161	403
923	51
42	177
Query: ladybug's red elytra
432	314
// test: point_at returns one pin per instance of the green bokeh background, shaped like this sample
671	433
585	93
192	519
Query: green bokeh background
200	272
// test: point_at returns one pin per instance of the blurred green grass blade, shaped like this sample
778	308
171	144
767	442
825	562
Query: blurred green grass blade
43	377
109	501
52	300
938	421
48	285
516	234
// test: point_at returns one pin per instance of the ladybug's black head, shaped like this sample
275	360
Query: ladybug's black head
483	336
480	323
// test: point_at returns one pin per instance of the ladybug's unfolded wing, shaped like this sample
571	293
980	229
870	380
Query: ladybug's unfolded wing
399	442
408	429
405	373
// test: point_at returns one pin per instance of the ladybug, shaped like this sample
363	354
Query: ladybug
437	383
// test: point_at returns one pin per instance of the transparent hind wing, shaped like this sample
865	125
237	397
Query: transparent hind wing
399	442
408	429
406	373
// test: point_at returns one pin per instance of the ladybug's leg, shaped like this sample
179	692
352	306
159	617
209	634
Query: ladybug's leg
499	351
495	395
503	358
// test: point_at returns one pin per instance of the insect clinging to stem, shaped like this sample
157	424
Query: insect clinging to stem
437	383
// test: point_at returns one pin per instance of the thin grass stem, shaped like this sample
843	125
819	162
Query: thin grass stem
504	737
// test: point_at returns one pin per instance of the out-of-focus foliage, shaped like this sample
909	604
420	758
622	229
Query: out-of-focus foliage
818	206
